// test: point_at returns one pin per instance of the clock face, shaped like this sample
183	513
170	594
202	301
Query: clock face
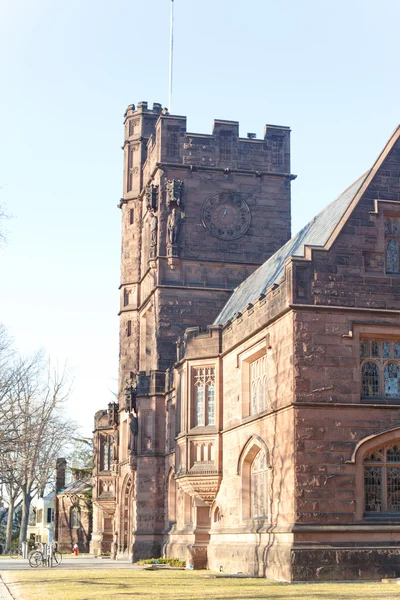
226	216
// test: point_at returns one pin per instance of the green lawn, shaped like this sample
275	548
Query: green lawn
106	584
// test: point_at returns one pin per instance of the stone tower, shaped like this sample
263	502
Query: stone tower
200	213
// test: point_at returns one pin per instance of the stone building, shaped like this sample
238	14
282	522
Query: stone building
257	430
72	509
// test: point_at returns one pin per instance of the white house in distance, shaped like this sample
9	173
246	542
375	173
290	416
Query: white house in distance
43	530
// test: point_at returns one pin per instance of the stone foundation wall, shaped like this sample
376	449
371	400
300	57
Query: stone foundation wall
340	564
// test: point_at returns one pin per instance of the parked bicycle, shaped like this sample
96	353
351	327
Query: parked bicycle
38	558
15	552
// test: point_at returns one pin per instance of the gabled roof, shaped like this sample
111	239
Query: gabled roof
80	486
315	233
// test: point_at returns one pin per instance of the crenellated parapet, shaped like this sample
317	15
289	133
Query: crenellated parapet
197	342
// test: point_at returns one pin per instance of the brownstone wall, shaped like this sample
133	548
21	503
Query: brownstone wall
68	535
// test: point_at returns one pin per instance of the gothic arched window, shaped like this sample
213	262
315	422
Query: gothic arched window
382	480
259	486
380	377
204	396
392	256
75	517
392	380
370	379
258	385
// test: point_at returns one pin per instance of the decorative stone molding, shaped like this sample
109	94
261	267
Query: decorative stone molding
204	486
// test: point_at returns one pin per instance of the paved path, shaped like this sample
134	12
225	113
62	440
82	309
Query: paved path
68	562
4	593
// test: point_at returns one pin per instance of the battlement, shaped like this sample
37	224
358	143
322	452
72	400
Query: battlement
197	342
163	138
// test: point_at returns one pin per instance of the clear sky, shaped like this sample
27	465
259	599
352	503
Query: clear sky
328	69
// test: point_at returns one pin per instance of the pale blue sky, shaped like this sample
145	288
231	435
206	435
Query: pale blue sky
68	70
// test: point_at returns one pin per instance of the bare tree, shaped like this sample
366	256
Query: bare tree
32	421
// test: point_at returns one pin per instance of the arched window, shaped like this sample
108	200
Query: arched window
253	468
171	498
370	379
380	376
392	256
217	515
75	517
204	396
391	378
259	486
107	453
382	480
258	385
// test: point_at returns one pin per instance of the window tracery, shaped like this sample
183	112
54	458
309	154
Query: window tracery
259	486
258	385
204	396
382	480
380	369
75	517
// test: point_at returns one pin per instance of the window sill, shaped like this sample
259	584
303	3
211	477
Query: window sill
376	400
381	517
203	429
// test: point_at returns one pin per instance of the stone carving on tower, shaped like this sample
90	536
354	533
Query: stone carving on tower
174	189
151	197
173	225
153	235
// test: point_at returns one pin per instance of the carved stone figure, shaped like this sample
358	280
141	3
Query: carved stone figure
133	432
174	189
173	223
115	442
151	197
153	230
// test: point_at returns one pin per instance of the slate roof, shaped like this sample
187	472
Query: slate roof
315	233
80	486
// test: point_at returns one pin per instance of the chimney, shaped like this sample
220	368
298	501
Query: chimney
61	465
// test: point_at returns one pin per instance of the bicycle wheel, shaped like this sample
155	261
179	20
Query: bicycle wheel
36	559
57	557
15	553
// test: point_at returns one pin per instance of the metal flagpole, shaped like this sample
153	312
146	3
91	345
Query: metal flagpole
171	55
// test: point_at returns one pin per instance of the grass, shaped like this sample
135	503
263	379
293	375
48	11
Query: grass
177	585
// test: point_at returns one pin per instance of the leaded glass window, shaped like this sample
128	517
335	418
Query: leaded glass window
392	256
259	486
75	517
373	489
199	398
258	385
204	396
370	379
380	377
391	378
395	227
387	226
210	404
382	481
